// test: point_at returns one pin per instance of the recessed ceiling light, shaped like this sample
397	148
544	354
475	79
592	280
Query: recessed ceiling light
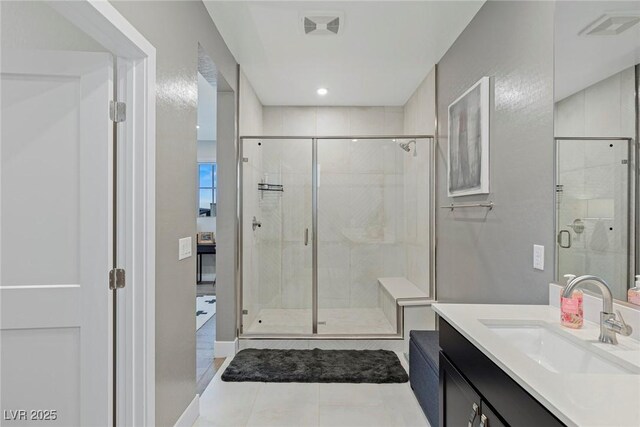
354	140
197	126
322	91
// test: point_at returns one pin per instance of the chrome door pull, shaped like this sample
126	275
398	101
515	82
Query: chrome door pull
484	421
568	245
306	237
474	414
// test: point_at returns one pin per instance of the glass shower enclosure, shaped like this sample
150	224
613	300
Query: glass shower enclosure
321	219
594	209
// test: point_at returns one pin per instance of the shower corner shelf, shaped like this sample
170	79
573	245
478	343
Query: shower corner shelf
263	186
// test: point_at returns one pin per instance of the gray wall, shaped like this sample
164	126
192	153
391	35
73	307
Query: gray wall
226	221
488	258
175	29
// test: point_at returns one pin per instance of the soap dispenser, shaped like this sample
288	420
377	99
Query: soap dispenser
571	312
633	294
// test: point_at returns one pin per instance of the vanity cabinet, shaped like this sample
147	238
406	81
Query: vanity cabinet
461	405
476	392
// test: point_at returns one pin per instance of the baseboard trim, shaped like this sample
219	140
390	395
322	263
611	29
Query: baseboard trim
225	348
191	414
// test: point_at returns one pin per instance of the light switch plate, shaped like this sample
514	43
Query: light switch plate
538	257
184	248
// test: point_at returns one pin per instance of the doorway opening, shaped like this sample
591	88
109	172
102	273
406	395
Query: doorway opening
207	202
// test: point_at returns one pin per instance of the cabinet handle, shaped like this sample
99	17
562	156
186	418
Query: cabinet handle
474	414
306	236
484	421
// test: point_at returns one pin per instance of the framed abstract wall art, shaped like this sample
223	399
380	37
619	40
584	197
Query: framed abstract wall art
468	171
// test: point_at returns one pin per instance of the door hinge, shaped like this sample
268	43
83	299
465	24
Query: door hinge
117	111
116	278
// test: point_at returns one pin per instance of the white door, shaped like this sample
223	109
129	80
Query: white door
56	233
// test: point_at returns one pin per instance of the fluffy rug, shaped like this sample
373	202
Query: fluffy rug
316	366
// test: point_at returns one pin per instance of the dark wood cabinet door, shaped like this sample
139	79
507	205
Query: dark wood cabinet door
490	418
460	405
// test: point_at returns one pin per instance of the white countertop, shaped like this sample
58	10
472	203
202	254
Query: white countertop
576	399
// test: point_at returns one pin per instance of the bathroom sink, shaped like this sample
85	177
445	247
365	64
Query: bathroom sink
558	351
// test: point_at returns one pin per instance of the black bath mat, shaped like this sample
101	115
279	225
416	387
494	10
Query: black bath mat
316	366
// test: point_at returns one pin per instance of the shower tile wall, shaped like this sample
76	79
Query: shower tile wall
592	187
419	119
360	220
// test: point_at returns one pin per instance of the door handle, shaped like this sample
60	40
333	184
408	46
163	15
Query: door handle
306	236
568	245
474	414
484	421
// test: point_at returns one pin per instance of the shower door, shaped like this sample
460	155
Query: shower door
323	219
593	212
276	236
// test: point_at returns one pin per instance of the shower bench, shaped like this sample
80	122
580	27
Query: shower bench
402	301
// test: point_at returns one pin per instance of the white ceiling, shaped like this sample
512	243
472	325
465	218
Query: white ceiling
383	52
580	60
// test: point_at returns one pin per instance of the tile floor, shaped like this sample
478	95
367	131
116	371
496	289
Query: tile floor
300	404
205	339
353	321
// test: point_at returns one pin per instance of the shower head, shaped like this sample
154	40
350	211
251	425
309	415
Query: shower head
406	146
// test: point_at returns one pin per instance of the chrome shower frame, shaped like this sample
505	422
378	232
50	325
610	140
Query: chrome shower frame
431	140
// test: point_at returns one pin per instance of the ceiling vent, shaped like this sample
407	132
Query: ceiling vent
322	23
612	24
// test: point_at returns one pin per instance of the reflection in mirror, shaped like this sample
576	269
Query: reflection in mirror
597	52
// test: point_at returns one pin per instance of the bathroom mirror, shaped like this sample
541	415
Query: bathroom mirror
597	57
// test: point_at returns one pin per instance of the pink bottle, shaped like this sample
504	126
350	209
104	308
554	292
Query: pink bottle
633	294
571	312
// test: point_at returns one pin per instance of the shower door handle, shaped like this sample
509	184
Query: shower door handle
568	245
306	237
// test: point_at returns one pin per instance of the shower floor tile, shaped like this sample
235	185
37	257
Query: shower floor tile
352	321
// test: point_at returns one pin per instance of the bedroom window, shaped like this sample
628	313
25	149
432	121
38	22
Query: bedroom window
208	180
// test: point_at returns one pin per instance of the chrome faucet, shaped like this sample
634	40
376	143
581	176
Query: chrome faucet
609	324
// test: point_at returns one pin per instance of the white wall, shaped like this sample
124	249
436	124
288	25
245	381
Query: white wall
420	109
207	106
333	121
419	119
